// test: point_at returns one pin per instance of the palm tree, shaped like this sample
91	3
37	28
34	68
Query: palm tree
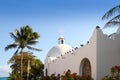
113	21
23	38
15	62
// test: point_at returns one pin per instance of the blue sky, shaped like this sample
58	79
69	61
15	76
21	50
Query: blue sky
77	18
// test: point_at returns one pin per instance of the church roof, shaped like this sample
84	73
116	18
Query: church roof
59	50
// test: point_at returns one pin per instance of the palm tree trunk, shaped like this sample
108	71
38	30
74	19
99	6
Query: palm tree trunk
21	64
28	68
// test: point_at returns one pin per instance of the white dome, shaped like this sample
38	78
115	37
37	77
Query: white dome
59	50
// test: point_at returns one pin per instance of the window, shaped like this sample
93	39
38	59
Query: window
85	67
62	41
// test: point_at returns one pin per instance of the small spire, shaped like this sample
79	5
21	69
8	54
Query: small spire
61	40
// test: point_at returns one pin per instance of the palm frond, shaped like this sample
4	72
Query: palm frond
116	18
10	60
31	48
36	35
21	31
28	29
32	42
112	24
111	12
33	36
17	51
18	33
111	34
10	46
13	36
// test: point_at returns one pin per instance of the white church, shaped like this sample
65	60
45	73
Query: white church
94	59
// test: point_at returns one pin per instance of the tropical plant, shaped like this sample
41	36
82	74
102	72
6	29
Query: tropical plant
37	69
73	76
114	21
23	38
67	76
52	77
35	65
115	74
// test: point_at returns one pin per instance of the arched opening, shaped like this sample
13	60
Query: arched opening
62	41
85	67
46	72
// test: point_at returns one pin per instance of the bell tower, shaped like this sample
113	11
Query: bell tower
61	40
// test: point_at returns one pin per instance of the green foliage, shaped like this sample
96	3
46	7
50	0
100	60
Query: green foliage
115	74
14	75
67	76
73	76
52	77
35	67
23	38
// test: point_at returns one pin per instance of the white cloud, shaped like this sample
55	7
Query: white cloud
4	70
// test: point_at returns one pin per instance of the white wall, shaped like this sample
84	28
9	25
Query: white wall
108	54
72	62
102	53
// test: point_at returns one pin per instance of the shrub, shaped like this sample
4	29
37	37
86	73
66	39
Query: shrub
67	76
73	76
115	74
52	77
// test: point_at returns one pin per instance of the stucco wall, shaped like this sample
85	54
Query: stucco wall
102	52
108	53
73	61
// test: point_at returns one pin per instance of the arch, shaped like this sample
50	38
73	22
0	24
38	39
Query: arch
62	41
85	67
46	72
